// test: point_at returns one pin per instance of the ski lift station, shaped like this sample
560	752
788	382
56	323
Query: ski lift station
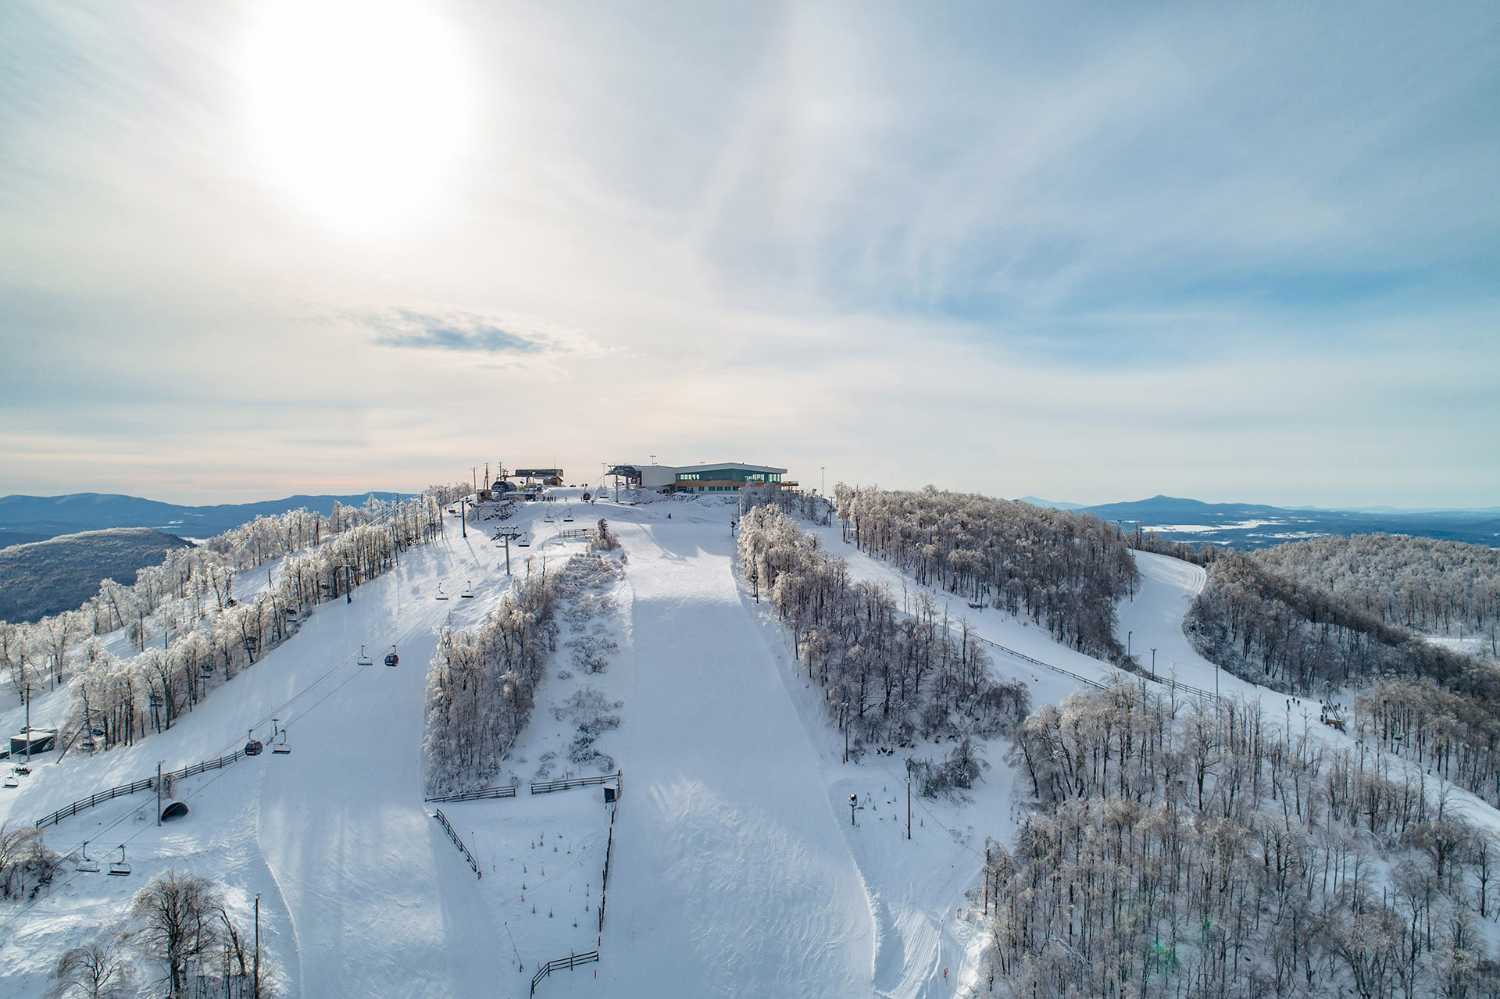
713	477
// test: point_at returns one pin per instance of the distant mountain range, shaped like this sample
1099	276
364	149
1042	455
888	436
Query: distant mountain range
60	573
1256	525
36	518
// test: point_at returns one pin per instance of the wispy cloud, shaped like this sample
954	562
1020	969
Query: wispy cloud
465	335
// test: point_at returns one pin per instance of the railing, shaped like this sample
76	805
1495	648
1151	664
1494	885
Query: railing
476	794
1037	662
145	784
609	852
562	964
1168	682
548	786
448	828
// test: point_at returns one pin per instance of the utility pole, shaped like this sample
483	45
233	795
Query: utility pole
463	517
987	879
908	799
255	985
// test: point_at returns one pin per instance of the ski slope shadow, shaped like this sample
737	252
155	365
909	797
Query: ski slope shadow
732	876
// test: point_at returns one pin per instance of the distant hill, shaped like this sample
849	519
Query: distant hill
1050	504
33	518
58	574
1256	525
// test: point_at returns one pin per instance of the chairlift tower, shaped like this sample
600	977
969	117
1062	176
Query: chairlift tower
506	537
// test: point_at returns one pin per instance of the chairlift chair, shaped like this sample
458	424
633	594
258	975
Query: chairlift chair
11	780
85	865
391	659
280	747
120	868
440	594
253	746
468	591
364	659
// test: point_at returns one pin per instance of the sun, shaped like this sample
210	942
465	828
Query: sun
357	110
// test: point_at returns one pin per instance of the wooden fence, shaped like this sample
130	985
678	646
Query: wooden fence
1169	682
477	793
548	786
609	852
562	964
144	784
453	835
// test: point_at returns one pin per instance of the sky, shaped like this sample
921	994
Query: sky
1086	252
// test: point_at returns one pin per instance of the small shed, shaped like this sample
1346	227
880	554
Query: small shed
43	740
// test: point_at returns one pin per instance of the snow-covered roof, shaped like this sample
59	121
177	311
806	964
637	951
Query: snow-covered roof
729	464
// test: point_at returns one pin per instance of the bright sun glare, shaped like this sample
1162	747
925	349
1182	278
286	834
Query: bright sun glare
357	109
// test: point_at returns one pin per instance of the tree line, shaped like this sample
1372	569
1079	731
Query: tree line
482	683
207	635
1199	852
1274	630
1063	570
1421	584
888	678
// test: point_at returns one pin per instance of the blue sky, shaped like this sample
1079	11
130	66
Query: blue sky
1088	252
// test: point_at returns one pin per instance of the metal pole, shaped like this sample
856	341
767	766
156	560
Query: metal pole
908	799
255	985
1153	664
28	723
158	792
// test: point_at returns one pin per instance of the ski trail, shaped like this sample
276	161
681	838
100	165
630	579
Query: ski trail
724	812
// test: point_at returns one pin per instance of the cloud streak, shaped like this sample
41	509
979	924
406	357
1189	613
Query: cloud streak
415	331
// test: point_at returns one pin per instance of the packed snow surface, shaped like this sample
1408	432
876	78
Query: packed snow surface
738	867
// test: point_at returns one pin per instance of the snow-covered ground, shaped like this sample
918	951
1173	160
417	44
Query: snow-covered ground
736	867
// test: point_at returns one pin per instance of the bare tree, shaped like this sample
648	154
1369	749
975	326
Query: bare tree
177	912
94	971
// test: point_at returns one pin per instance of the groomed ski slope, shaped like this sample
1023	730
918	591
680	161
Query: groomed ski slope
733	875
359	889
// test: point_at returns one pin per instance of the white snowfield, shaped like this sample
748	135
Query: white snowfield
736	869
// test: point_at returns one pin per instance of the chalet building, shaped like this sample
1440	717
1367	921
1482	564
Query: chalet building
714	477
